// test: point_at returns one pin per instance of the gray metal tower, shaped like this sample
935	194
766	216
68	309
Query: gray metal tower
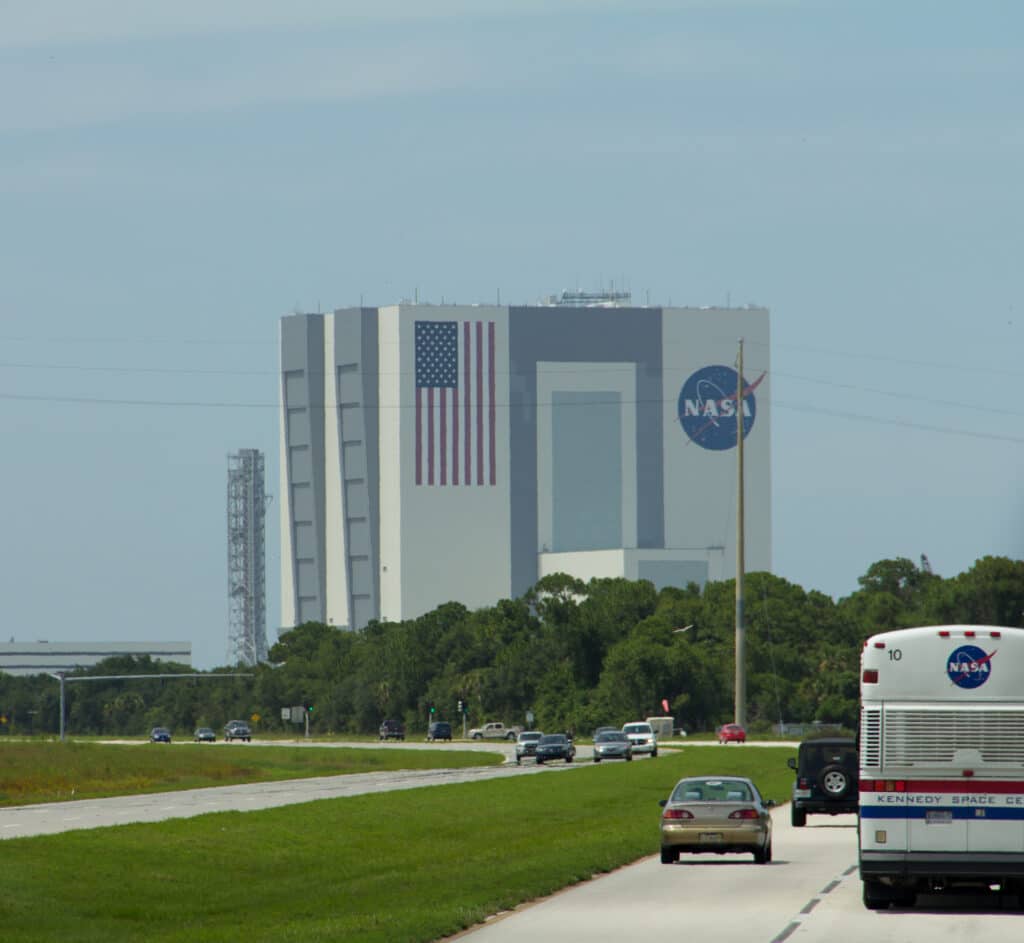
247	584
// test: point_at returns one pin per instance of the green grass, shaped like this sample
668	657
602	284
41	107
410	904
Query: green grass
401	867
50	771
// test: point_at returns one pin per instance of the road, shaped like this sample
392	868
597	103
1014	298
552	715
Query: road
810	893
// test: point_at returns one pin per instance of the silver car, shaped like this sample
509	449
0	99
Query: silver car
612	745
526	745
641	735
716	814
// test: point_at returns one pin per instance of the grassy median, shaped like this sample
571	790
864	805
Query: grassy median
413	865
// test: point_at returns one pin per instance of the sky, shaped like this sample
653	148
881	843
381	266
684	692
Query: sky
174	178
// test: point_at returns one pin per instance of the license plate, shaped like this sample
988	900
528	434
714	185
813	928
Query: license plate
936	817
710	836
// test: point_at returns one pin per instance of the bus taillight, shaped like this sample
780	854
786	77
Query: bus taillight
870	676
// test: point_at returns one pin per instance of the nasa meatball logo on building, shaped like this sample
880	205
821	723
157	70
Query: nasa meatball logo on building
707	407
969	666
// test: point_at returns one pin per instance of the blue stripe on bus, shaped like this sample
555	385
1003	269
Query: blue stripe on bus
988	813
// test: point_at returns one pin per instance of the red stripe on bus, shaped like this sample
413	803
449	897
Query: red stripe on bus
942	785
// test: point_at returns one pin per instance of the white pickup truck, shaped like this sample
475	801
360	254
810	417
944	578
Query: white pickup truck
494	731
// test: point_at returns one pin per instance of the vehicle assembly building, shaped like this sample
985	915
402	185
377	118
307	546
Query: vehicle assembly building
459	453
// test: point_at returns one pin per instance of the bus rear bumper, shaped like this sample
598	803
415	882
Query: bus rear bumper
940	865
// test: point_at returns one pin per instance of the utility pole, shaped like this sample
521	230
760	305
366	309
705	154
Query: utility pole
741	642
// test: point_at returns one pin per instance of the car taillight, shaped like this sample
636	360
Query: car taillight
744	814
677	814
803	783
870	676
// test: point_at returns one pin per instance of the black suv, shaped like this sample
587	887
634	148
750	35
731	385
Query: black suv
439	730
392	730
826	778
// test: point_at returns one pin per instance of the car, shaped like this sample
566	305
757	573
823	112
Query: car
731	733
439	730
612	745
600	730
159	735
826	778
717	814
526	744
641	736
204	735
555	746
237	730
391	730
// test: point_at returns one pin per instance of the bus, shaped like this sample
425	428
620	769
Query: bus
941	764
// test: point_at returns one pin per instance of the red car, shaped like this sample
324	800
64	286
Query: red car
731	733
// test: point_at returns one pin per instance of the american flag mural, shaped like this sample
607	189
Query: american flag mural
455	405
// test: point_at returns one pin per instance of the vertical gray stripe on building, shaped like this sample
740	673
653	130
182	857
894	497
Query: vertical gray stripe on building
302	358
355	355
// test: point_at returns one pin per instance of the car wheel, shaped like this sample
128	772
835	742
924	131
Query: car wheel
669	855
654	753
763	855
568	759
597	759
476	736
797	817
629	757
876	895
835	781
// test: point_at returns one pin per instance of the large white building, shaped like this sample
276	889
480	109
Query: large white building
436	453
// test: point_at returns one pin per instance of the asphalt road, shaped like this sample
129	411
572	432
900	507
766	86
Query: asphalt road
809	893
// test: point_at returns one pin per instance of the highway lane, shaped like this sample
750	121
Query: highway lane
809	893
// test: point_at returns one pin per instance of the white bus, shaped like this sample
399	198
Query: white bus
941	761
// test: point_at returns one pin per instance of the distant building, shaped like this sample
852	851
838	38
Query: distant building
33	658
435	453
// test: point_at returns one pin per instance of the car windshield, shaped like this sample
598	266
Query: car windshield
637	728
553	738
529	736
612	736
712	790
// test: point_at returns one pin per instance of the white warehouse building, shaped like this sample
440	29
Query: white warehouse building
459	453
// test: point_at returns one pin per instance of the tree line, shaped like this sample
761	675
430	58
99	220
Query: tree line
575	654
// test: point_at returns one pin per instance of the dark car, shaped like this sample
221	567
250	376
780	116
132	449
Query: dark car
439	730
555	746
826	778
204	735
159	735
612	745
391	730
237	730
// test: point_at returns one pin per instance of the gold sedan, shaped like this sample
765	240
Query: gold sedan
716	814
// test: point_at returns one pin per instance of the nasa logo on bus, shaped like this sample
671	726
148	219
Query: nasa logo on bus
707	407
969	666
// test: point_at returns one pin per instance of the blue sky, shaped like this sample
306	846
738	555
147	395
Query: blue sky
175	177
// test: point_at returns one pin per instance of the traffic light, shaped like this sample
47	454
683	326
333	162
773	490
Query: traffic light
309	709
460	705
432	708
